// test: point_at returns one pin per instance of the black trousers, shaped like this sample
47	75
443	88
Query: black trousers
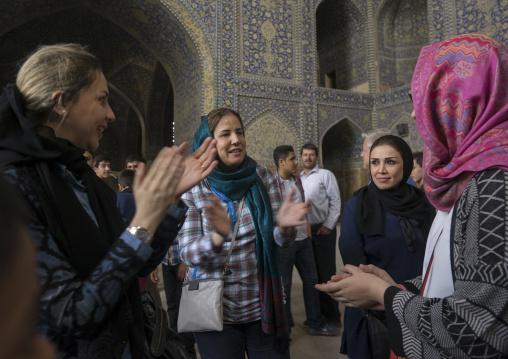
324	246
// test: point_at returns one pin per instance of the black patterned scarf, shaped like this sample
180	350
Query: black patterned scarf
24	143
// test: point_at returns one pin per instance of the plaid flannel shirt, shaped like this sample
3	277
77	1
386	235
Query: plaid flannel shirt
298	184
241	292
172	258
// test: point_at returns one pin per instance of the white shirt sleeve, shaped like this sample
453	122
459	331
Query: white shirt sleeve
333	194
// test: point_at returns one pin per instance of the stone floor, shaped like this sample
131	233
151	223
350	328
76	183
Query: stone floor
303	346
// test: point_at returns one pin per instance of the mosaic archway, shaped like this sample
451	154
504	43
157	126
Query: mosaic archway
341	46
402	30
132	39
340	149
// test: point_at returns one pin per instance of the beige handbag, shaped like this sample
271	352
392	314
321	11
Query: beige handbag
201	302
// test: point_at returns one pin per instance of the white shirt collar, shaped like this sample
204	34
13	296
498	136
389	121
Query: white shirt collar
315	169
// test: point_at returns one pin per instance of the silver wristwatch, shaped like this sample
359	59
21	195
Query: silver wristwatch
141	233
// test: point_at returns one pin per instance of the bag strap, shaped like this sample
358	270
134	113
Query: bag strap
225	270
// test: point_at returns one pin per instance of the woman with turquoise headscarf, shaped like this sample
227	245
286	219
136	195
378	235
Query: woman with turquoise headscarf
254	318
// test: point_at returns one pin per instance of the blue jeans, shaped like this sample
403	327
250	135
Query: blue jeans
324	246
301	255
235	340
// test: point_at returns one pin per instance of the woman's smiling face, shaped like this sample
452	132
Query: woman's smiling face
231	143
88	117
386	167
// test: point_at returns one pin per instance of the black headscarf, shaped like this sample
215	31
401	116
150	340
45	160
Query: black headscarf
405	201
34	148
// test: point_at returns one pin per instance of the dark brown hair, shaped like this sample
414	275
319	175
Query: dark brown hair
101	158
310	146
418	157
126	178
216	115
283	152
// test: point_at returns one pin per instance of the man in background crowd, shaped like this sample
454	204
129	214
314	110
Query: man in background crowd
321	188
132	162
102	169
300	253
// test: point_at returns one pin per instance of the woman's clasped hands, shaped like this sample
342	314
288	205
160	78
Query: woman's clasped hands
359	287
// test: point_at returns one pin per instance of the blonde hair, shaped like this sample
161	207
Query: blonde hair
62	67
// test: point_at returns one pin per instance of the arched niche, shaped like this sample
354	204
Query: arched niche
160	116
135	41
402	29
340	152
124	136
341	46
264	133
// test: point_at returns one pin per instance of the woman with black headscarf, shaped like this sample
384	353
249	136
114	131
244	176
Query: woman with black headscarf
386	224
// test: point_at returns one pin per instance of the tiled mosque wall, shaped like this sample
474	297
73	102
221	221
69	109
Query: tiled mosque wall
488	17
265	58
341	147
341	44
402	30
394	108
267	48
130	37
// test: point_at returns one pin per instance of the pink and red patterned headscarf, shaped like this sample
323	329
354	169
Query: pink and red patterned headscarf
460	95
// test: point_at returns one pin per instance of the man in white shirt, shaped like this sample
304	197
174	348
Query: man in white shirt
321	188
300	253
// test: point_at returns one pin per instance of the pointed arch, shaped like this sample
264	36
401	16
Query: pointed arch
340	152
265	132
403	29
341	45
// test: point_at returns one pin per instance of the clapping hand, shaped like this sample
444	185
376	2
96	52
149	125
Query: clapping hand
197	166
292	214
220	221
154	191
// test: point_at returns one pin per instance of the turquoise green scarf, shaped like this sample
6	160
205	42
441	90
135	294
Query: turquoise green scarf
245	181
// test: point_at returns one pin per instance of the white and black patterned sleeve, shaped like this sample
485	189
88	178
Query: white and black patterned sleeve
473	322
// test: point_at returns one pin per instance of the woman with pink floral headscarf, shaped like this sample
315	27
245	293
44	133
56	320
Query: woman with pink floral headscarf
458	307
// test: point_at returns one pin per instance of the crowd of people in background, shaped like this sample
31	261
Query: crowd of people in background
424	243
